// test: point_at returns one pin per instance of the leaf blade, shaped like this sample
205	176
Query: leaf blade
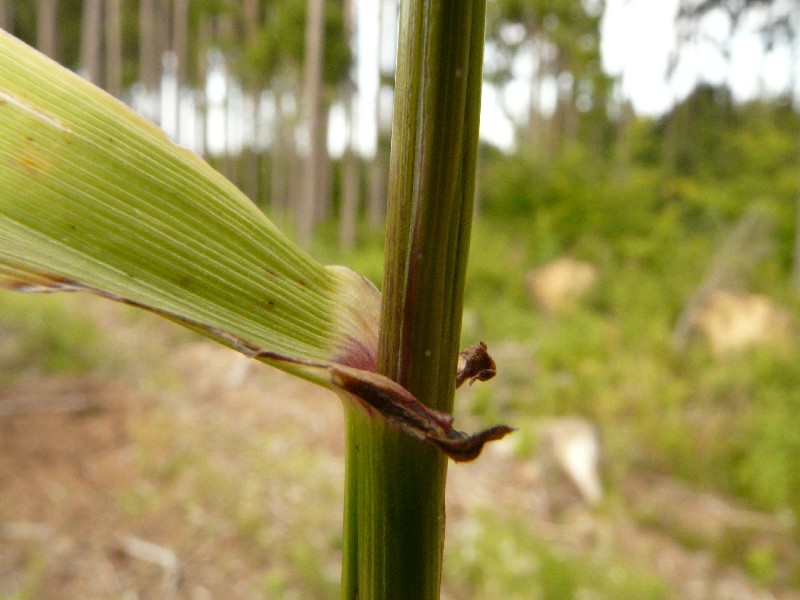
95	199
83	203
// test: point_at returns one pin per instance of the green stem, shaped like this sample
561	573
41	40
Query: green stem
394	506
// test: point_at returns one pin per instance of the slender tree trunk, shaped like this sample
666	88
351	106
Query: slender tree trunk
350	187
163	31
796	266
200	123
295	181
535	117
113	75
7	15
306	216
564	117
204	42
250	152
324	171
146	44
376	205
571	117
226	32
149	71
349	213
278	158
91	40
669	145
622	149
47	28
350	179
795	73
180	43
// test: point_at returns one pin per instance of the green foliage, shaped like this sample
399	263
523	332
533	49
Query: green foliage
47	334
761	564
651	232
29	586
570	26
506	559
566	39
281	42
769	444
729	425
69	28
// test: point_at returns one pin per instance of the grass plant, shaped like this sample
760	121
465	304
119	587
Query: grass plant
95	200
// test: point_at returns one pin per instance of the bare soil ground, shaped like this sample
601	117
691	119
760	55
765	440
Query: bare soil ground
198	474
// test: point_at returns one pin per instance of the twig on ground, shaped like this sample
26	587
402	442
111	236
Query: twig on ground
164	557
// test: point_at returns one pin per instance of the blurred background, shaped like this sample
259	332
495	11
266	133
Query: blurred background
635	270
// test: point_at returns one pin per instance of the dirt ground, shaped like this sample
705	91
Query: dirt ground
123	486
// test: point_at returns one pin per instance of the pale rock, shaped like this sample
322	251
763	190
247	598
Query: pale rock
557	286
734	321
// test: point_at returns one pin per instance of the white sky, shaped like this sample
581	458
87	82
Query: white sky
637	37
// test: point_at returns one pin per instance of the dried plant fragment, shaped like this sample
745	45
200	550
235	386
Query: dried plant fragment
384	398
404	411
465	447
475	364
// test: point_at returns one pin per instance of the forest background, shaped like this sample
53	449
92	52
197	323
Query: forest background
632	273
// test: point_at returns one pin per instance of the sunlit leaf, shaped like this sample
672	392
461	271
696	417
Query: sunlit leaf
95	199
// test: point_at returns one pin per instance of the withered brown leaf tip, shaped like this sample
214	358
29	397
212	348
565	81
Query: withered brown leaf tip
474	363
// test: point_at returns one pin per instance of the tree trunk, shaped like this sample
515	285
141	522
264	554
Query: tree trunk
47	28
324	168
796	266
278	155
201	103
147	76
226	32
350	187
180	40
113	16
350	179
669	145
250	151
535	118
349	212
376	205
565	115
793	86
7	15
305	218
296	165
91	40
622	149
149	72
